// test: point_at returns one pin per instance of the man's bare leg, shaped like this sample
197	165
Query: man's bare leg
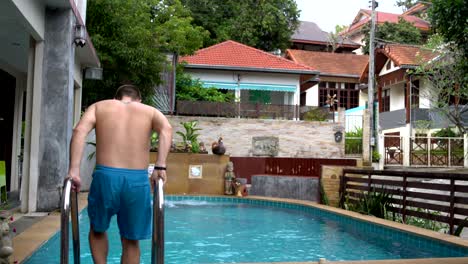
130	251
99	246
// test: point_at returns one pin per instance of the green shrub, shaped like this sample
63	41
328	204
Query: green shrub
445	132
371	203
316	114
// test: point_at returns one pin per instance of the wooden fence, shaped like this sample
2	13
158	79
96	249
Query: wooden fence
442	197
246	110
245	167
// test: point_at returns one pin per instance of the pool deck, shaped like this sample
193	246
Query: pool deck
33	237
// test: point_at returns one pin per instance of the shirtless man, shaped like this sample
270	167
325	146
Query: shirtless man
120	181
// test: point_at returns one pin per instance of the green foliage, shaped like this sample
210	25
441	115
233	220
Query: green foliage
402	32
154	141
132	37
316	114
459	229
188	89
323	196
266	25
375	156
406	4
422	222
190	137
445	132
353	141
449	18
371	203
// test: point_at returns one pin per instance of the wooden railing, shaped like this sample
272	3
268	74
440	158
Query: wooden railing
243	110
437	196
245	167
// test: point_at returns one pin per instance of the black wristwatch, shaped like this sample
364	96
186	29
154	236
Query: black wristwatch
159	168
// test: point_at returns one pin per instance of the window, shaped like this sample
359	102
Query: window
389	65
346	94
386	100
414	94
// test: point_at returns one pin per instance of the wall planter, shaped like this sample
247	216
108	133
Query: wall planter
183	173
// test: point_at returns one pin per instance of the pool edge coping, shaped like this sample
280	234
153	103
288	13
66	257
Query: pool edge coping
40	232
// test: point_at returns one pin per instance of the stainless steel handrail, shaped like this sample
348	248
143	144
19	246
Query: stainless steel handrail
69	204
157	245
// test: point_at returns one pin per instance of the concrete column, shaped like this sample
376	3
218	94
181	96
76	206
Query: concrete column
465	150
406	144
56	107
366	155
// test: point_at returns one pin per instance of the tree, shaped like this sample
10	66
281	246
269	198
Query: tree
406	4
334	38
189	89
448	74
449	86
402	32
263	24
449	18
132	37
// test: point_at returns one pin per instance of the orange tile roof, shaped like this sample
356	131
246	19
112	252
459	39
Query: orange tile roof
331	63
402	55
407	54
382	17
236	56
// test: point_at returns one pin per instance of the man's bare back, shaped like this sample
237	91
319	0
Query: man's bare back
123	131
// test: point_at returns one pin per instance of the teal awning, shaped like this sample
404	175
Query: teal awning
250	86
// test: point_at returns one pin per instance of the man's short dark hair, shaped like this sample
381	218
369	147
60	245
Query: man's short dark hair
128	90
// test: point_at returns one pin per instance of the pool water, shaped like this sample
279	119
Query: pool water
232	232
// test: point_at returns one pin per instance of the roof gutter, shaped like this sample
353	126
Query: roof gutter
250	69
339	75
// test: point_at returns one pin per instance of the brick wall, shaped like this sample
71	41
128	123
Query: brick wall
296	138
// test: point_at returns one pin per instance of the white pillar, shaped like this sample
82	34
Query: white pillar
465	150
33	113
17	129
406	145
381	149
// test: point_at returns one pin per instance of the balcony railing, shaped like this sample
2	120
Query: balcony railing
245	110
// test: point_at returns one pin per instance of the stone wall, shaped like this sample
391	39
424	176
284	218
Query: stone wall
296	138
301	188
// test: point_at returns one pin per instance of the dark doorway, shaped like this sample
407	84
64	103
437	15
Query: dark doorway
7	104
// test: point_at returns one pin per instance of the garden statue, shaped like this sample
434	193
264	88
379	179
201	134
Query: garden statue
229	178
218	147
203	148
6	245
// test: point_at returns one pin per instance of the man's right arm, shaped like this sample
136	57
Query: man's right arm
80	132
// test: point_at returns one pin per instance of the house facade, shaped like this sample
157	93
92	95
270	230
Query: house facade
403	97
252	75
339	76
45	53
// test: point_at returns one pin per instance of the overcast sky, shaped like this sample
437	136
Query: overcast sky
329	13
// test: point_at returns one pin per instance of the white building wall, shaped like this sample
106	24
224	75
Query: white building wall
312	96
33	16
427	94
397	97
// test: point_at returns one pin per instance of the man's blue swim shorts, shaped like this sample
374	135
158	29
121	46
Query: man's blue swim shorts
124	192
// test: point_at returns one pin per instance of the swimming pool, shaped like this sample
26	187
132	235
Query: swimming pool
232	230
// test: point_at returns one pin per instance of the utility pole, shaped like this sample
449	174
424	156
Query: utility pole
370	90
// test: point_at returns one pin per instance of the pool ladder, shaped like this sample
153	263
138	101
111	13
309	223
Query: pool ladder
69	204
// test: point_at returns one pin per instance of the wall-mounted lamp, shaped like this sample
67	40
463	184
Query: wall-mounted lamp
80	35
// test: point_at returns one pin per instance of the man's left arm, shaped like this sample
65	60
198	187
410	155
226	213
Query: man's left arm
80	132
